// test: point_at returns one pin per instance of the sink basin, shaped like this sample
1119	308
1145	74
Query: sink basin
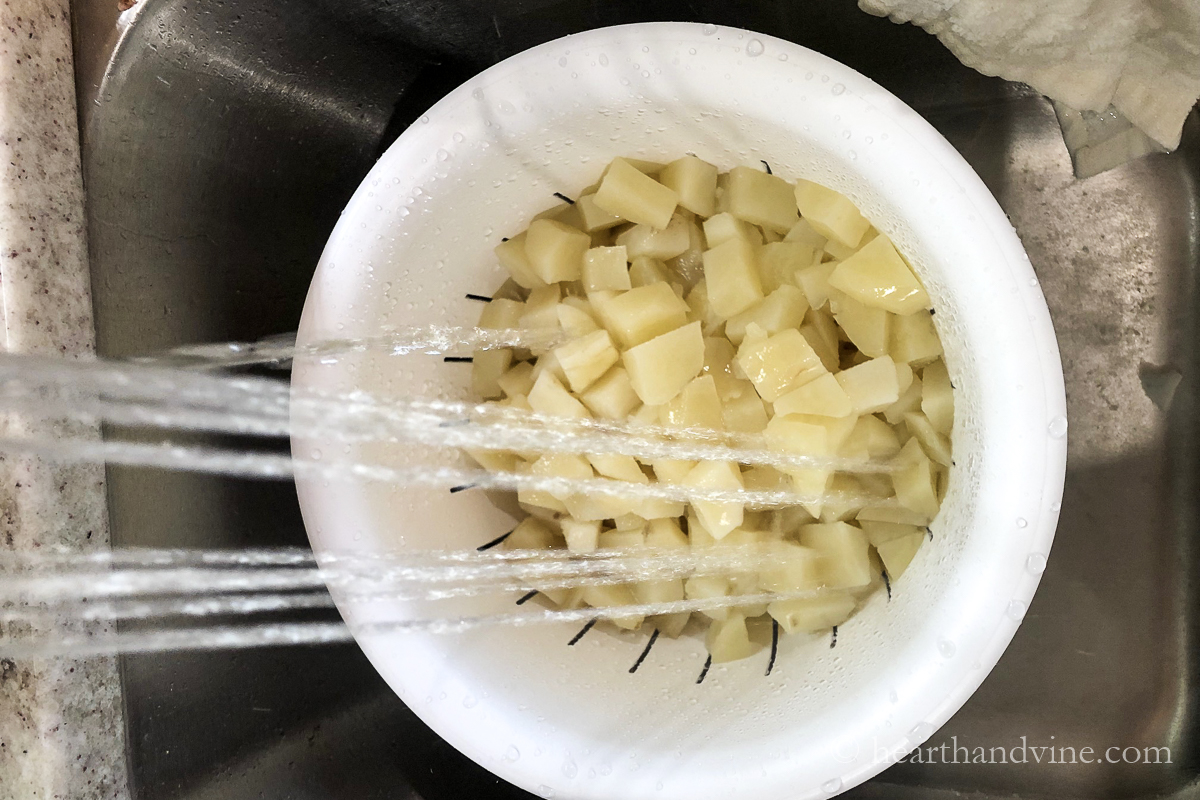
220	142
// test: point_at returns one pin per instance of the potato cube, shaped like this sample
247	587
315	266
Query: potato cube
782	308
724	226
892	513
937	397
708	587
501	314
804	233
872	385
814	280
743	410
761	199
541	309
904	376
618	467
897	554
668	242
665	534
718	518
633	195
585	359
823	342
811	614
823	397
612	396
511	255
642	313
932	442
916	488
660	368
908	403
914	339
671	625
699	309
646	271
605	269
550	397
661	591
487	367
728	639
778	263
871	438
495	460
731	275
779	363
797	570
672	470
867	327
845	560
630	522
531	533
689	265
877	276
582	537
597	506
562	465
697	406
555	250
695	181
592	217
574	321
879	533
805	436
623	539
613	596
830	214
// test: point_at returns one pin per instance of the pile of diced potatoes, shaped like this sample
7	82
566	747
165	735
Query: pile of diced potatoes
739	302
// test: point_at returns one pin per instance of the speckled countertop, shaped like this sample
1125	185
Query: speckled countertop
61	727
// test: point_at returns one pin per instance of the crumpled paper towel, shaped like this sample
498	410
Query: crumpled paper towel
1139	58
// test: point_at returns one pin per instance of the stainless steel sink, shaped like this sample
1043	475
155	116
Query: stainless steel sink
221	140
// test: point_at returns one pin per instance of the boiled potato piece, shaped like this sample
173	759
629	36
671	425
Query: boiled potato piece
731	275
909	402
761	199
845	561
487	368
555	250
665	534
593	217
612	396
798	569
549	397
581	537
867	327
830	214
932	442
697	406
618	467
871	386
707	587
660	368
916	488
937	400
728	639
646	271
511	255
613	597
804	233
518	380
721	228
574	321
645	240
562	465
606	269
640	314
778	263
783	308
823	397
898	553
779	363
718	518
587	358
877	276
814	280
804	614
914	339
541	309
635	196
694	181
501	314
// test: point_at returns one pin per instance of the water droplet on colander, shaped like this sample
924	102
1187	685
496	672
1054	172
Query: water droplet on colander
853	156
562	61
837	89
443	155
1022	522
425	119
846	134
1036	563
691	51
658	786
893	696
512	753
783	56
946	648
1015	610
920	732
1058	427
1056	506
507	107
458	137
603	60
570	769
832	786
469	701
869	140
606	769
316	455
755	48
709	30
824	79
624	81
545	791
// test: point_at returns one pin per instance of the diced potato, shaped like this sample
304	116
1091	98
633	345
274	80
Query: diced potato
904	376
531	533
501	314
699	309
612	396
646	271
845	561
743	410
613	596
867	327
914	339
761	199
779	363
845	499
555	250
908	403
838	251
672	470
897	554
592	217
562	465
671	625
660	368
731	275
814	280
783	308
487	367
871	438
822	397
495	460
707	587
765	479
511	255
718	518
823	342
587	358
575	322
644	240
934	443
550	397
879	533
830	214
644	165
689	265
642	313
937	397
582	537
635	196
893	513
916	488
724	226
630	522
606	269
663	591
695	181
541	309
697	406
618	467
877	276
811	614
728	639
622	539
871	386
665	534
778	263
797	570
597	506
806	436
804	233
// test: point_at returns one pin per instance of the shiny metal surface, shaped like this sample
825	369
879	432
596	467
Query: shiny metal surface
220	142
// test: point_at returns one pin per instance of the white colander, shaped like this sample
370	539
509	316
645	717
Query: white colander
572	721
